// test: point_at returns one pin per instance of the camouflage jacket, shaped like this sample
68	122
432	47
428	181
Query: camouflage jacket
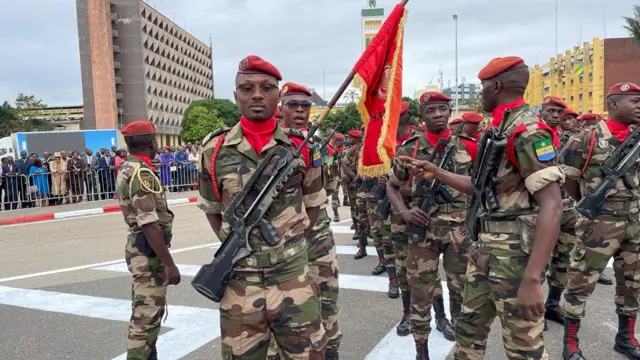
533	150
401	175
235	163
589	174
139	206
350	162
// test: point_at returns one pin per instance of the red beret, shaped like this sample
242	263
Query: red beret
554	100
569	112
355	133
455	121
140	127
624	89
498	66
405	107
338	136
253	64
294	89
590	117
434	97
472	118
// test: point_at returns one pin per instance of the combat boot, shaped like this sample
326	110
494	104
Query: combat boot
604	280
345	201
380	268
362	244
394	290
336	218
442	323
552	306
571	349
331	354
404	328
154	354
626	342
422	350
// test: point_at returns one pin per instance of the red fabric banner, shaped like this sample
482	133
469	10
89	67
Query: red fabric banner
379	76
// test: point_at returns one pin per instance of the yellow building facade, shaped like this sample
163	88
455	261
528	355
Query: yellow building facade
560	77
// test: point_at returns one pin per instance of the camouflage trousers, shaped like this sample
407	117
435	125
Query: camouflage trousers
351	194
491	289
335	199
599	240
324	272
148	303
362	216
251	311
557	275
422	273
400	252
380	231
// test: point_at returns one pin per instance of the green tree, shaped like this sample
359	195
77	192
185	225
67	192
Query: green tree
9	122
414	108
29	110
633	24
342	120
227	110
202	120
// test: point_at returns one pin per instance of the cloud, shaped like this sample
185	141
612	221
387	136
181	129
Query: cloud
302	38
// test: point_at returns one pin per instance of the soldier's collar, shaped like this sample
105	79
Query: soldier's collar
235	136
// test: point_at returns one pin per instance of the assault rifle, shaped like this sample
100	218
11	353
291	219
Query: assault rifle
432	193
279	164
491	149
571	137
617	166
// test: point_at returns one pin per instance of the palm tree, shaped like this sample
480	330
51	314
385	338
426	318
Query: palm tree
633	24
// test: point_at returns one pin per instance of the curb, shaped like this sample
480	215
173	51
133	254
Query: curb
85	212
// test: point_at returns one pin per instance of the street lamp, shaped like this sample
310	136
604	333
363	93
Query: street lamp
455	19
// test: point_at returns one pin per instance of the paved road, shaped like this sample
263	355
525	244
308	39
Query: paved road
64	294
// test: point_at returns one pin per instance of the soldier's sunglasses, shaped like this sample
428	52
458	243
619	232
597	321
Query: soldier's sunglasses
263	88
293	105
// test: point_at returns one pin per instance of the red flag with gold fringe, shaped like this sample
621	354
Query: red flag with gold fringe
379	76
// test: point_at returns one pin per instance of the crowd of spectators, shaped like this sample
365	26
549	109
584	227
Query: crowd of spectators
70	177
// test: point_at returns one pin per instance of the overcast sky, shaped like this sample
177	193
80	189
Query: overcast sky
39	38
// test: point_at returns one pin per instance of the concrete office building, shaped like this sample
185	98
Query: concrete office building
139	65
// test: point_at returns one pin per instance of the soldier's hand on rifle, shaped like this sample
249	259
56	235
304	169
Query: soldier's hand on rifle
421	168
415	216
172	275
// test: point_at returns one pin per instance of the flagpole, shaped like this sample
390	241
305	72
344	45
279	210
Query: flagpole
341	90
455	18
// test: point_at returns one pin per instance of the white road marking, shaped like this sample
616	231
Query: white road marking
342	229
192	327
352	250
397	347
89	266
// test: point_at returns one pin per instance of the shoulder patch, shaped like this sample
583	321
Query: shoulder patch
544	150
212	135
294	132
316	158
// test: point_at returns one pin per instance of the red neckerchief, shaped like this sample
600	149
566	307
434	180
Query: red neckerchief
145	159
340	148
498	113
556	130
477	135
330	149
620	131
433	138
258	134
404	138
472	148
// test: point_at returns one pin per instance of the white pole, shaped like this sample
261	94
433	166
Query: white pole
455	18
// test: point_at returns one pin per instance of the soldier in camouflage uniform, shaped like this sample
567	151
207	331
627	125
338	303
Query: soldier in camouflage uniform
613	232
569	121
338	144
321	250
272	290
349	170
515	240
444	227
144	207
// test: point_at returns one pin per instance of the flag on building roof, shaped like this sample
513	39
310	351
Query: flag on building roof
579	70
379	76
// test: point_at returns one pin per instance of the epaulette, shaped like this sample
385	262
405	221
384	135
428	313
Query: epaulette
217	132
411	139
467	138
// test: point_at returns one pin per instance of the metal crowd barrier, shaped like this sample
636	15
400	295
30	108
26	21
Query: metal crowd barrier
82	185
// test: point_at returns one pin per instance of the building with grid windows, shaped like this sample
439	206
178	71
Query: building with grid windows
137	64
